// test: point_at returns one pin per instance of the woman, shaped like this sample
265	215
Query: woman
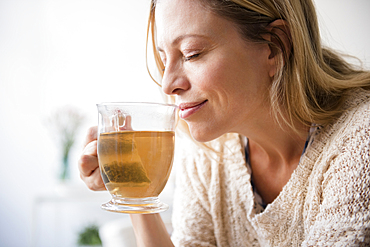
284	124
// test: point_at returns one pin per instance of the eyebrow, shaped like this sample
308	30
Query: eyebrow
180	38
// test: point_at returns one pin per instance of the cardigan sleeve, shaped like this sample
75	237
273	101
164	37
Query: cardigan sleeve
344	214
192	222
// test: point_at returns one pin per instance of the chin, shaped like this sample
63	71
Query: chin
203	135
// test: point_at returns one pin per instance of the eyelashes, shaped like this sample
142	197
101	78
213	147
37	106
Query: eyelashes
186	59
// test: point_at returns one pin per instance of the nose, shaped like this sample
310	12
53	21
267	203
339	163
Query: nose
174	80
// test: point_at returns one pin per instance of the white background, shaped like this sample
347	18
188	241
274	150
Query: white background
56	53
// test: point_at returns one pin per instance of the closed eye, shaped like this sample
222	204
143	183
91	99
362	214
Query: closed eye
191	57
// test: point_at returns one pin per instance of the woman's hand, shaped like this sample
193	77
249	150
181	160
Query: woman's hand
88	163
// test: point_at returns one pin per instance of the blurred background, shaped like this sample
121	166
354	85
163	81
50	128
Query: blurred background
58	59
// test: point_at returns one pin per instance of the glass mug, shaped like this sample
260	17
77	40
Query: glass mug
135	152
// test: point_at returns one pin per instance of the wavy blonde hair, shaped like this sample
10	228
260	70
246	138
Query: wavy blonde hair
313	81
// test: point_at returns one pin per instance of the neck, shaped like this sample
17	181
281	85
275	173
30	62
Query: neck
274	154
274	145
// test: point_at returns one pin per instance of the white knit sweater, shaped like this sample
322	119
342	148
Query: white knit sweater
325	203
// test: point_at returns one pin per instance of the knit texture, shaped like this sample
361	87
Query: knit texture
325	203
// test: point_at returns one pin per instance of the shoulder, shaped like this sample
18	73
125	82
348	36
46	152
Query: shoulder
342	149
346	143
353	122
340	180
197	170
357	107
198	160
193	161
353	127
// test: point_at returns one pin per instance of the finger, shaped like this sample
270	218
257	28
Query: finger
94	181
91	148
127	125
88	161
91	135
87	164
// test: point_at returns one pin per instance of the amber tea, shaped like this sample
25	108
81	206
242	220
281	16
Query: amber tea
136	164
135	153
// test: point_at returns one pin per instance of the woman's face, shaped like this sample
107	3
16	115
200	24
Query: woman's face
220	80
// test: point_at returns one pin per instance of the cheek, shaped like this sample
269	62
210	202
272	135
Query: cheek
210	76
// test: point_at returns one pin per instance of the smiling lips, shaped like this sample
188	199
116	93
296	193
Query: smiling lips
188	109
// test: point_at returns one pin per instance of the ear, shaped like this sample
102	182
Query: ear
281	37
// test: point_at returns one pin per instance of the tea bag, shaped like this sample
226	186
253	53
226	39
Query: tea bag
126	168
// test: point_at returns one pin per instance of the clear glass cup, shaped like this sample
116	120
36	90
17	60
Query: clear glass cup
135	152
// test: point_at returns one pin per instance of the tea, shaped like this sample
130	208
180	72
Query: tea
136	164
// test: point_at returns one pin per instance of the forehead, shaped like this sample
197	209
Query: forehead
176	18
179	8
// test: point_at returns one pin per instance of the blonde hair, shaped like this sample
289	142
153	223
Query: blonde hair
313	82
